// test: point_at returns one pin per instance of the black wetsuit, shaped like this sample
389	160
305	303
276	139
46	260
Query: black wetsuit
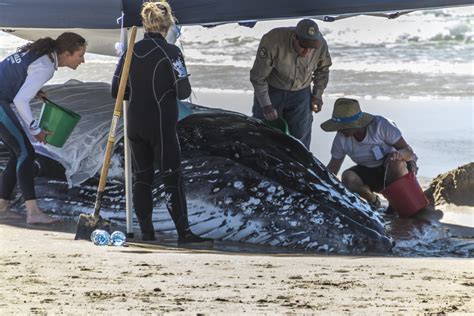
22	156
13	74
157	78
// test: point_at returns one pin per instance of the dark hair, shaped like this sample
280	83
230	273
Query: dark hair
66	42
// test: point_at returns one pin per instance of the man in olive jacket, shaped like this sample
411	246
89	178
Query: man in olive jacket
287	61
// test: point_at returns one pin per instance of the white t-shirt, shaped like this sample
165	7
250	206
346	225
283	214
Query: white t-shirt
380	132
39	72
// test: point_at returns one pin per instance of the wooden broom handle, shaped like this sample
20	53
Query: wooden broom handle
117	113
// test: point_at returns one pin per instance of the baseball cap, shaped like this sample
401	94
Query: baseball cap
307	32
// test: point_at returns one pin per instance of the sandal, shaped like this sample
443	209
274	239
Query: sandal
376	204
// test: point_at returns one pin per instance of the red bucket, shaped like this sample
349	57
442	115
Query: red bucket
405	195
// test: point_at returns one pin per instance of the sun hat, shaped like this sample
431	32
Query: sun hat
346	114
307	32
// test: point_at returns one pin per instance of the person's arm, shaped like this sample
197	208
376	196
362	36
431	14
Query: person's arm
392	136
321	78
403	151
259	73
38	75
116	79
338	153
334	165
182	84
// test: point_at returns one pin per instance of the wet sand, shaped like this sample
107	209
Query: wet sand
44	271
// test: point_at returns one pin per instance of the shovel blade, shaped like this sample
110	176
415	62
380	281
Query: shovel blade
88	223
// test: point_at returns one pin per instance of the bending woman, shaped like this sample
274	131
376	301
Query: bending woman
22	75
157	78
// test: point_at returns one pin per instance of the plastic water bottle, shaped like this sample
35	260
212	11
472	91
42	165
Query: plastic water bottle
117	238
93	234
100	237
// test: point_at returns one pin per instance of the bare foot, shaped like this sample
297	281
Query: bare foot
9	215
5	213
40	218
4	205
35	216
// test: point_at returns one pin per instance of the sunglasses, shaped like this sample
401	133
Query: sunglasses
162	8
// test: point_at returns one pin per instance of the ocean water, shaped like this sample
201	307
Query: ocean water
426	54
416	69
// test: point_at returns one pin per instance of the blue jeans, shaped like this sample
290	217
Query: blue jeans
294	107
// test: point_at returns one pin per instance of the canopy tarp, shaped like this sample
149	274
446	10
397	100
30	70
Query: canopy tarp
223	11
103	14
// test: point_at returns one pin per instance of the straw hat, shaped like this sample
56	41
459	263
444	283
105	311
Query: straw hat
346	114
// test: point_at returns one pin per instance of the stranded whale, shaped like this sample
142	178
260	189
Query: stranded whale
244	181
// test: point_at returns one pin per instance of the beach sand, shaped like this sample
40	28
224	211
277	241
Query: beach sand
44	271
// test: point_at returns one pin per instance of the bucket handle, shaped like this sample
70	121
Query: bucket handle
62	108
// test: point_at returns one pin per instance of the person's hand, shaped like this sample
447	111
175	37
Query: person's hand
316	104
411	166
41	137
396	156
41	95
269	113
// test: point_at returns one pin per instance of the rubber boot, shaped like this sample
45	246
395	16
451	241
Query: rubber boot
190	238
146	227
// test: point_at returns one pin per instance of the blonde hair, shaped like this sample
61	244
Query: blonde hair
157	17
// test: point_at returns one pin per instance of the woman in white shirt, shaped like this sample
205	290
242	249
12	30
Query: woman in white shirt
22	75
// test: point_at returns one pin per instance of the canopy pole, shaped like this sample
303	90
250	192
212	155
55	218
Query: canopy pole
128	165
128	176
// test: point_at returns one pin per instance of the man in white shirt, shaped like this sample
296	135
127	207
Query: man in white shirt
374	143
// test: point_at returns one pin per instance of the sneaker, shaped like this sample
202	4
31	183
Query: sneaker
190	238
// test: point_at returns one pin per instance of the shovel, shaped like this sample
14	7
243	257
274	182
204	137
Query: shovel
88	223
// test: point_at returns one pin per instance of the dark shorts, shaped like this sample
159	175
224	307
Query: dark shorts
373	177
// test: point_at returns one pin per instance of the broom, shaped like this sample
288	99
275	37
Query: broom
89	222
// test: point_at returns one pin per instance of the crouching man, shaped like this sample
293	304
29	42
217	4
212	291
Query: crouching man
374	143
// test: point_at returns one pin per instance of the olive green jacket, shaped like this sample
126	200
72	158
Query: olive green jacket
278	65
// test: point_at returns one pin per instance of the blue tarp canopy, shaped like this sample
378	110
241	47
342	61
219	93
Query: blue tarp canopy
222	11
103	14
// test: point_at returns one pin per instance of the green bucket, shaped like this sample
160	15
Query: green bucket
279	124
58	120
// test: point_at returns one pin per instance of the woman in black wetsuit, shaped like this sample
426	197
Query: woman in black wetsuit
157	78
